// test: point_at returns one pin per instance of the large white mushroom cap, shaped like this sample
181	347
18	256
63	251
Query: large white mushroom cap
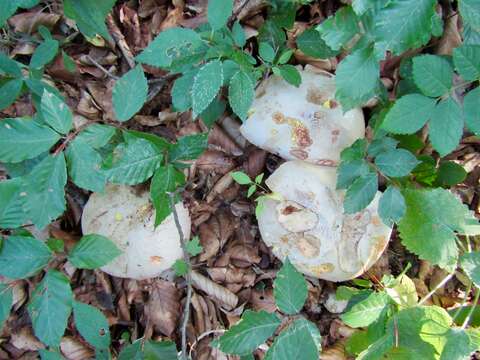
308	225
127	218
304	123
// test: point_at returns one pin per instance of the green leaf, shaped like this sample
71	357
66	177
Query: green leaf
22	257
290	289
396	162
180	267
391	206
366	311
50	307
428	228
467	61
266	52
361	193
251	190
158	142
50	355
149	350
241	178
97	135
9	66
129	94
241	93
432	74
89	16
446	126
310	42
22	139
7	9
218	13
193	246
450	173
470	108
470	263
362	6
93	251
290	74
170	47
44	53
337	30
356	151
403	25
189	147
470	11
213	112
84	165
6	301
206	84
460	345
350	170
134	162
286	345
359	68
383	144
43	190
56	113
409	114
9	92
181	91
253	329
272	33
238	34
92	325
11	211
56	245
166	179
69	63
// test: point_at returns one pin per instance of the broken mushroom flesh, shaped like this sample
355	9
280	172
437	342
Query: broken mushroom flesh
303	123
309	226
126	216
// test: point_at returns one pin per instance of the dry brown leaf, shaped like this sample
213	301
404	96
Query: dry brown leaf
263	300
214	160
221	139
451	36
163	306
215	233
28	22
25	340
73	349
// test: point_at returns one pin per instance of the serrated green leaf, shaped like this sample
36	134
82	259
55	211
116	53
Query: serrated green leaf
396	162
272	33
409	114
213	112
43	190
403	25
206	84
9	92
133	351
432	74
84	166
218	13
290	289
89	16
467	61
428	228
56	245
391	206
56	113
129	94
290	74
11	210
459	346
238	34
362	6
6	302
69	63
286	345
188	147
180	267
158	142
241	178
134	162
403	291
350	170
165	180
356	151
93	251
383	144
241	93
50	307
470	263
149	350
193	246
251	331
471	102
361	193
450	173
359	68
266	52
44	53
338	29
470	11
22	257
446	126
366	311
182	90
97	135
92	325
310	42
172	46
22	139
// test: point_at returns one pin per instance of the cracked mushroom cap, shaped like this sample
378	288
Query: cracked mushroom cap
127	217
308	225
303	123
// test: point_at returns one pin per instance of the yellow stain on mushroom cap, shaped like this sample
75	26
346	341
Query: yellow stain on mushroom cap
118	216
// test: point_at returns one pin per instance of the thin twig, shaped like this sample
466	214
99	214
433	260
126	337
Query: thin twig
439	285
105	71
472	309
188	276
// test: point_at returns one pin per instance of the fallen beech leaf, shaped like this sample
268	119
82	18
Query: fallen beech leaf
73	349
163	306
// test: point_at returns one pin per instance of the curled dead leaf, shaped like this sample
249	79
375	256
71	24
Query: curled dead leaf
163	306
73	349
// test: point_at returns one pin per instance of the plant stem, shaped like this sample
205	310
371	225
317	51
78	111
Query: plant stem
188	276
439	285
469	288
472	309
105	71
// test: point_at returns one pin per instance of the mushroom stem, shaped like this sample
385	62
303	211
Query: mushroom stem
188	276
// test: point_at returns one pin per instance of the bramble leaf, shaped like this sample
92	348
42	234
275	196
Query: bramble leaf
56	113
11	211
206	84
189	147
391	206
289	73
432	75
396	162
93	251
182	91
361	193
290	289
460	344
218	13
92	325
467	61
470	108
349	171
310	42
241	93
450	174
366	311
470	11
338	29
470	263
446	126
129	94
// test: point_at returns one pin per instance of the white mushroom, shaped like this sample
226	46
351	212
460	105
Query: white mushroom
127	218
304	123
309	226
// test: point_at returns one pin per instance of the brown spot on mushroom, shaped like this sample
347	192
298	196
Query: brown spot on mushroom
278	117
322	268
376	221
156	259
299	154
301	136
326	162
316	96
308	245
289	209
